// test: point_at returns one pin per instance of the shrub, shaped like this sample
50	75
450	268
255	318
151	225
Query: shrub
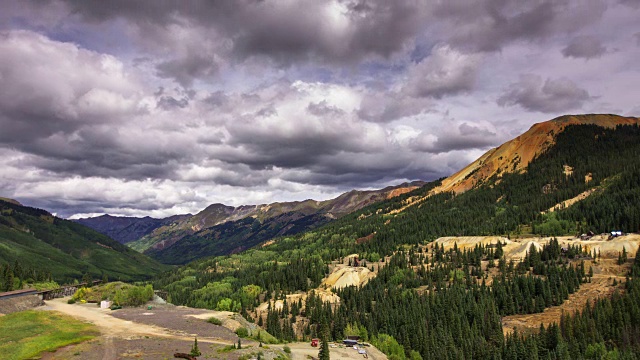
214	321
286	349
242	332
71	301
81	294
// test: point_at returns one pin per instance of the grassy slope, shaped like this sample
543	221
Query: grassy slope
66	249
24	335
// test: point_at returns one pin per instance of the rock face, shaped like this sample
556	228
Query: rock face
348	276
515	155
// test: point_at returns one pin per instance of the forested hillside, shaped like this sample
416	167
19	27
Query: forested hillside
461	295
222	230
63	250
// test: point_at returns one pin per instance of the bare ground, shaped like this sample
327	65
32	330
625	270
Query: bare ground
151	348
153	336
180	320
159	333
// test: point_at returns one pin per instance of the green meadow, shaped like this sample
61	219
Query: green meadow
26	334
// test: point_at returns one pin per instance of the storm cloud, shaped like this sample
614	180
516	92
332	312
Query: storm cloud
158	108
548	96
584	47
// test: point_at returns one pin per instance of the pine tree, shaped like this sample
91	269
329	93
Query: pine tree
194	350
323	354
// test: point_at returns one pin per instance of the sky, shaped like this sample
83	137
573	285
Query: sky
155	108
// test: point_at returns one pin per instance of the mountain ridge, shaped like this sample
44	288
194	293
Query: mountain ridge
517	153
255	223
126	229
39	240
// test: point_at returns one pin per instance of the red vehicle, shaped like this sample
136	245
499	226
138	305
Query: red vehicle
314	342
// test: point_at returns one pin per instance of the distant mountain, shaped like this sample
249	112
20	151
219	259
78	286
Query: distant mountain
127	229
37	239
221	229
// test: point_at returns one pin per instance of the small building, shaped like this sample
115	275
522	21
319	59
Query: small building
350	342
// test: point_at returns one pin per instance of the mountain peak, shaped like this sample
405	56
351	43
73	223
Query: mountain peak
15	202
515	155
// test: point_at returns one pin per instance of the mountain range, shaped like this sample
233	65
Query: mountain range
220	229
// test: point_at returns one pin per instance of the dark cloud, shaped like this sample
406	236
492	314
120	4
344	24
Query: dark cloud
453	138
584	47
351	170
445	72
549	96
188	68
334	31
489	25
51	87
632	3
384	107
323	109
169	102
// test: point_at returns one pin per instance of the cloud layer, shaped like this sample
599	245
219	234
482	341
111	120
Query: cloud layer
158	108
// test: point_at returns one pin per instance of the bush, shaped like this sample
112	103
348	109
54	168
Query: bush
214	321
71	301
264	337
286	349
242	332
388	345
133	295
81	294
